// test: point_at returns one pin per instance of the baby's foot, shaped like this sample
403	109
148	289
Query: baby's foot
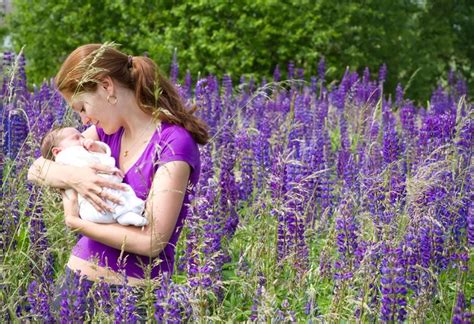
132	219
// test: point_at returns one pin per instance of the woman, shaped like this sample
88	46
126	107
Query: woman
139	114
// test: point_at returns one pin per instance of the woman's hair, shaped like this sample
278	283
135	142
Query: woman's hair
85	66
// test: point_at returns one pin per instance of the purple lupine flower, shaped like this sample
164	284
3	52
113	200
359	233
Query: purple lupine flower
393	283
440	102
125	305
43	259
246	165
261	152
399	92
465	141
470	222
74	301
103	297
20	87
16	132
200	96
39	300
311	307
339	95
461	88
409	129
346	240
276	74
228	186
314	85
255	315
322	70
172	302
188	85
461	314
300	73
383	73
291	70
174	67
207	168
294	225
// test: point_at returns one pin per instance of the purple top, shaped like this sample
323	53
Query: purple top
168	143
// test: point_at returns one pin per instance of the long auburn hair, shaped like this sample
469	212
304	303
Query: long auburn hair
155	94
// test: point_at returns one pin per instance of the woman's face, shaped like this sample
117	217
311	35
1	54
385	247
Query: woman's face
94	109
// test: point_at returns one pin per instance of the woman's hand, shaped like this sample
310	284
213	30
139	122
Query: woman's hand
88	183
71	208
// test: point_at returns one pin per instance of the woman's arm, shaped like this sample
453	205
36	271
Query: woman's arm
163	207
84	180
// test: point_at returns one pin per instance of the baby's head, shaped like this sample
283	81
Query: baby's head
58	139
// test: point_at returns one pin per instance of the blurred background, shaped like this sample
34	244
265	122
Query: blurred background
419	41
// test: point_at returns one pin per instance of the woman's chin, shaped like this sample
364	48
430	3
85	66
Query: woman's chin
109	131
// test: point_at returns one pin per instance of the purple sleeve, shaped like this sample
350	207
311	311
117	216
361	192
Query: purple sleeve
179	145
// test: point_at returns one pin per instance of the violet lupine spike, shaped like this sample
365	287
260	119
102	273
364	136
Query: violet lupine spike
291	70
228	186
470	223
161	295
461	314
188	85
276	74
39	301
174	68
246	165
207	168
20	83
382	73
254	315
322	70
8	59
74	303
461	88
293	224
409	130
346	240
391	141
125	305
16	132
102	296
339	96
227	85
188	261
399	92
439	101
201	100
393	287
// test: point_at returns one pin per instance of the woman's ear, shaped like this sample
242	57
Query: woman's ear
108	85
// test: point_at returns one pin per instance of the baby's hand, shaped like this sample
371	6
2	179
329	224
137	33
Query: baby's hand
117	172
92	146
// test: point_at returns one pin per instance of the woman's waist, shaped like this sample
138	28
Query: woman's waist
122	262
96	273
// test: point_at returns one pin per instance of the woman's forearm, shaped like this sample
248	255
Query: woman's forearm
127	238
50	173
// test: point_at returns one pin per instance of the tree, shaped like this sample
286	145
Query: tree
243	37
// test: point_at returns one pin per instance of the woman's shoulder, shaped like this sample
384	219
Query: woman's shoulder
172	132
177	143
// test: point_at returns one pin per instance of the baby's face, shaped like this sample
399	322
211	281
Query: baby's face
70	137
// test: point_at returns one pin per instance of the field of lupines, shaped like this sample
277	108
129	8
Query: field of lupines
318	202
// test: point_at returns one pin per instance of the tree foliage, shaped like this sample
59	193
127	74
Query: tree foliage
418	40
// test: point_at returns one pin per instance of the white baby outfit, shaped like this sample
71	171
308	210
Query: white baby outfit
130	213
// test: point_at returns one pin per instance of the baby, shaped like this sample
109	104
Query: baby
68	146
